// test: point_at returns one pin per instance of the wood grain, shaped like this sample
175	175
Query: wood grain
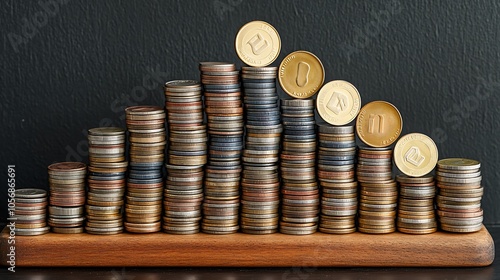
242	250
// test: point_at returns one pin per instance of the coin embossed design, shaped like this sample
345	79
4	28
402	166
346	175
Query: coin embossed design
415	154
301	74
379	124
258	43
338	102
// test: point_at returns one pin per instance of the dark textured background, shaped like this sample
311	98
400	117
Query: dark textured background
84	61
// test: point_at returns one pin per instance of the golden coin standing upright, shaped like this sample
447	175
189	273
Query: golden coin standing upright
301	74
415	154
258	43
379	124
338	102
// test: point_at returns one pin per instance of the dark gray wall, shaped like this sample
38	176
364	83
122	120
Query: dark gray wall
76	65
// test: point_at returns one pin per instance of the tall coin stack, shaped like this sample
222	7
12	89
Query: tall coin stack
224	111
146	126
460	194
300	207
379	193
339	199
106	180
31	212
187	156
260	180
416	205
67	196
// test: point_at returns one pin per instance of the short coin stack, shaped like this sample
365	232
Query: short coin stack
416	205
300	207
31	212
67	196
146	125
460	194
260	179
187	155
225	129
339	202
106	180
379	193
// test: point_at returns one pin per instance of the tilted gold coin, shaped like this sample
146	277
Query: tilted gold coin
415	154
338	102
301	74
379	124
257	43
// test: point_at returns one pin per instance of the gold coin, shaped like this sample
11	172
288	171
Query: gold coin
338	102
379	124
301	74
257	43
415	154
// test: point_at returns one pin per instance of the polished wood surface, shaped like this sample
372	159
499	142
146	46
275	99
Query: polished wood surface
242	250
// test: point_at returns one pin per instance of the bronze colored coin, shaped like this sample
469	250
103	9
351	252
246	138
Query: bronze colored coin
301	74
379	124
71	230
67	167
257	43
417	231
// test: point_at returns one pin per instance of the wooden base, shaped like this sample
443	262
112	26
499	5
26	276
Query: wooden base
243	250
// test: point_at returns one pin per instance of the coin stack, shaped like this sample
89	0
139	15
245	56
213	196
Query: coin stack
186	157
143	209
225	129
67	196
31	212
260	180
460	194
339	199
300	207
416	204
106	180
379	193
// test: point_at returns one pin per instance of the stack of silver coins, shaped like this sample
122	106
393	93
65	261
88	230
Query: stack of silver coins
67	196
260	179
187	156
416	213
300	200
224	111
106	180
30	212
379	193
339	198
146	126
460	194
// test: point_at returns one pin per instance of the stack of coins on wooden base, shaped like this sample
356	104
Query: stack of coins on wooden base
416	155
31	212
106	180
186	157
300	191
67	196
146	125
225	129
339	201
460	194
378	125
260	180
338	104
258	44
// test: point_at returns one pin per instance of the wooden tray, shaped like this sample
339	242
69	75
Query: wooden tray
243	250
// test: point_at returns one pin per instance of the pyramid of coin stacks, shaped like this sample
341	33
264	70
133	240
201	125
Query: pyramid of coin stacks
67	196
146	126
187	155
277	155
31	212
106	180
